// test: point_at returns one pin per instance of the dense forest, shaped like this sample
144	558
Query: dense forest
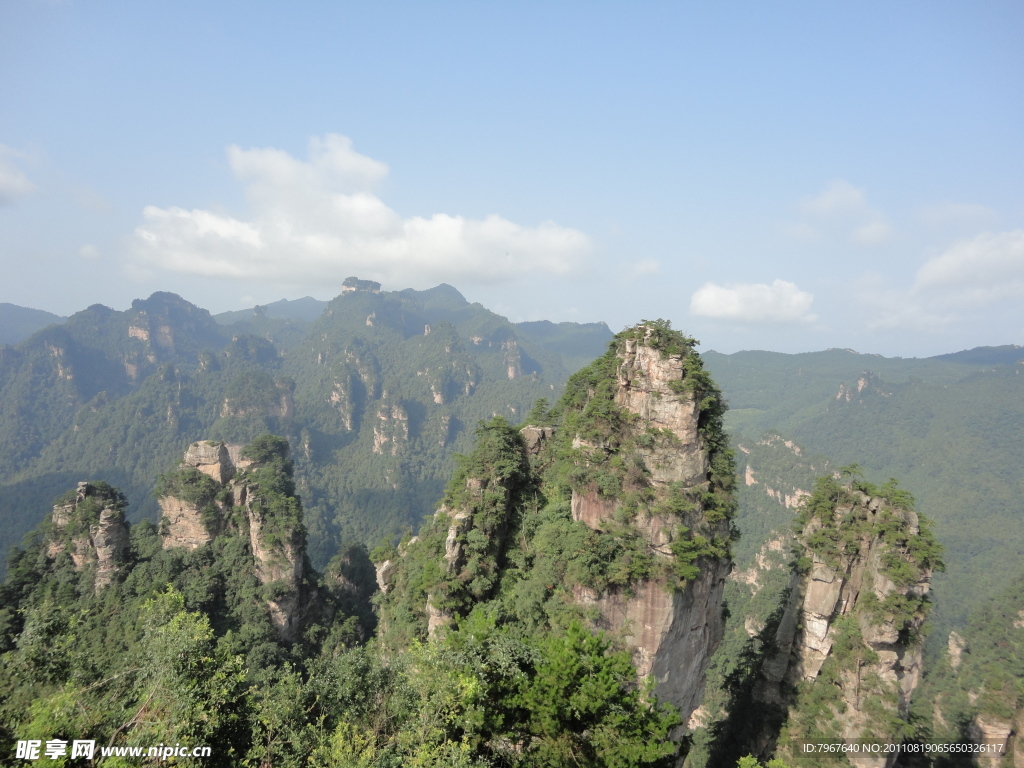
463	602
222	633
376	395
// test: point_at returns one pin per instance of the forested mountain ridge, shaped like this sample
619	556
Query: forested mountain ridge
115	632
377	393
975	692
619	513
612	511
379	378
622	489
18	323
952	431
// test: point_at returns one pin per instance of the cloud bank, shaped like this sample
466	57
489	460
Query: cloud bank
971	275
780	302
840	210
315	222
986	268
14	184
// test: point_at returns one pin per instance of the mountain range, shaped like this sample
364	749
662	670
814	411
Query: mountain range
378	393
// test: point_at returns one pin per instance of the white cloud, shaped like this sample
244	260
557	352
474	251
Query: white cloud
14	184
969	214
840	210
968	278
90	252
647	267
780	302
872	233
887	308
839	198
317	221
986	268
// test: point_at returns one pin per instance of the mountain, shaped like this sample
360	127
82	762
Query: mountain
306	309
975	693
952	431
1008	354
949	427
508	628
377	394
585	557
18	323
575	342
182	632
619	512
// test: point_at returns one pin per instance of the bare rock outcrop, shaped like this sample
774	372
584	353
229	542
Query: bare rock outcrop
645	380
89	525
191	510
279	557
212	458
673	629
536	437
858	606
182	524
385	572
391	430
994	733
956	647
217	491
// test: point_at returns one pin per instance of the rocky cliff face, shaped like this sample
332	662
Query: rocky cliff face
191	519
617	513
672	625
483	509
222	489
847	653
89	525
458	559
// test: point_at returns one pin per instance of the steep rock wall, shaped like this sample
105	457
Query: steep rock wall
220	491
182	524
90	526
673	629
613	510
852	623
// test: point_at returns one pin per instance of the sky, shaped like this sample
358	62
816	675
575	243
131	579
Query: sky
786	176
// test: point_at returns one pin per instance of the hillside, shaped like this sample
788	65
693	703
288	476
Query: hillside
952	431
595	542
18	323
507	632
377	394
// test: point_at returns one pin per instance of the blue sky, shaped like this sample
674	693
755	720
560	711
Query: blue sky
786	176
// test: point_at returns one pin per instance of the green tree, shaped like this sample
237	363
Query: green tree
586	710
191	692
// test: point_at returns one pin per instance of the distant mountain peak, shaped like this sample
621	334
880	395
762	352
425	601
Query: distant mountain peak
18	323
352	284
1006	354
